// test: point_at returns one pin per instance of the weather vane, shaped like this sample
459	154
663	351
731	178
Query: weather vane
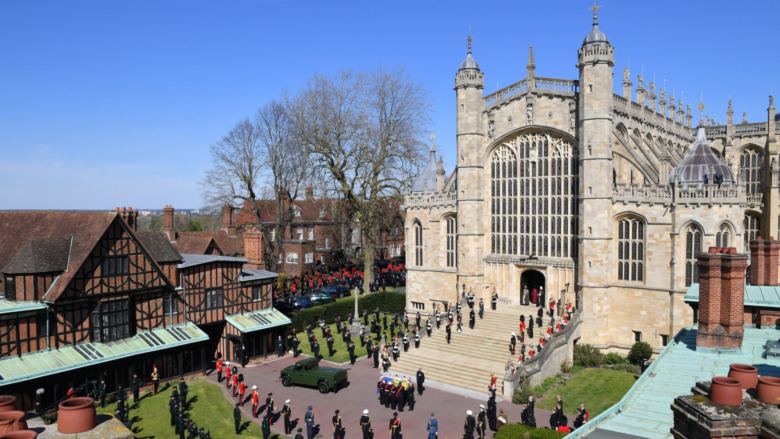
595	10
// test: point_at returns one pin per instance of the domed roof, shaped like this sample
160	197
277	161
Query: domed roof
595	36
696	164
469	63
426	181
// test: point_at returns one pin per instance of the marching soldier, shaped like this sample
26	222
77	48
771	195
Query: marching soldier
269	406
193	430
481	422
241	392
512	342
180	427
388	390
309	420
173	408
393	396
380	390
410	396
491	414
468	426
255	398
337	426
365	425
395	427
287	413
227	374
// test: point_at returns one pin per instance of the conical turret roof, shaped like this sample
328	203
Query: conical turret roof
696	164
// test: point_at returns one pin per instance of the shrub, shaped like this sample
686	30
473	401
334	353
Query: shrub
544	433
615	358
640	351
523	391
566	367
587	356
385	301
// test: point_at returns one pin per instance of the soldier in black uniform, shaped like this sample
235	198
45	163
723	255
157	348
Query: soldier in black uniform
184	389
295	344
338	428
530	326
316	349
418	318
472	319
406	342
269	407
265	427
193	430
351	350
395	427
180	425
481	308
481	421
491	414
175	394
417	340
420	381
380	387
387	390
299	435
375	352
173	408
237	418
393	397
392	328
365	425
410	396
469	425
449	331
202	433
400	396
287	414
102	393
384	321
429	326
136	387
330	346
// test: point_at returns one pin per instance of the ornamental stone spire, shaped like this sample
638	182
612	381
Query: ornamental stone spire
531	66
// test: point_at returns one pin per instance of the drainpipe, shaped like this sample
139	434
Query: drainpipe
184	295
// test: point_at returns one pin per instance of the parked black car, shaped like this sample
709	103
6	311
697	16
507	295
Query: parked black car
336	291
319	298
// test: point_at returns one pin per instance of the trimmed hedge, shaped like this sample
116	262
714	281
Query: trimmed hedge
519	431
386	301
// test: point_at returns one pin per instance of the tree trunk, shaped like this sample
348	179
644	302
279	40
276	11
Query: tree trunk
368	262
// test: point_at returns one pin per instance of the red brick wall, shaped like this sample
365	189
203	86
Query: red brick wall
253	248
763	261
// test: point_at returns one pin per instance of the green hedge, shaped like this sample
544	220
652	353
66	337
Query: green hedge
385	301
519	431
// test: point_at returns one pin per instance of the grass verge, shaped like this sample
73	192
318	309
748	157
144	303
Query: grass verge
597	388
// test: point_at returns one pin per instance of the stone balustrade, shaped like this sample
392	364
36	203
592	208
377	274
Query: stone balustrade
554	86
416	199
685	194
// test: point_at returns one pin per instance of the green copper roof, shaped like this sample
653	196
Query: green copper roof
645	411
759	296
10	306
50	362
257	320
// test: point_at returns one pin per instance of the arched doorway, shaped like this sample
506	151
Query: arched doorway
531	280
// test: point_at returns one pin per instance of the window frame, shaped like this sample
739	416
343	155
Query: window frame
631	249
214	298
291	258
118	265
105	327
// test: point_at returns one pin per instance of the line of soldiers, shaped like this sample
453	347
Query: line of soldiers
178	405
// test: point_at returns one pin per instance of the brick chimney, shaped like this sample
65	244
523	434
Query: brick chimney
168	223
253	248
721	298
309	193
129	216
763	261
227	220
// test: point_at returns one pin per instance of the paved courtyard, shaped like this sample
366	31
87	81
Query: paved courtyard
449	406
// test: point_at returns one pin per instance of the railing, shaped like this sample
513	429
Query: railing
506	93
719	130
560	85
755	199
428	198
620	99
694	193
743	128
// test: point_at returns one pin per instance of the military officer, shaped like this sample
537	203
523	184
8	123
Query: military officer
287	413
395	427
433	427
269	406
481	421
338	427
469	426
420	381
309	420
429	326
365	425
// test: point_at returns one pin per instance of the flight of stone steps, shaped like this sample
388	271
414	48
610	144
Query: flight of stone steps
472	354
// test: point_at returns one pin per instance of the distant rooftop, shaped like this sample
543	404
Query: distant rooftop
190	260
645	411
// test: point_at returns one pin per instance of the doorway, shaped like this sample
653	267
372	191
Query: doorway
531	280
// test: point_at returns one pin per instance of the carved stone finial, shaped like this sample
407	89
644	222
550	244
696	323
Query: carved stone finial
531	65
744	117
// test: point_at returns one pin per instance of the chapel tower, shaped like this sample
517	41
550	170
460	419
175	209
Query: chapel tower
596	58
469	84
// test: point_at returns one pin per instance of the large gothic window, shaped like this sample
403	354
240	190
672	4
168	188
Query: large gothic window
750	163
533	189
451	228
752	224
418	244
692	248
631	249
723	237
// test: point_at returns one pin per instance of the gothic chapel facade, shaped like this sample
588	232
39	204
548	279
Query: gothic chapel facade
596	197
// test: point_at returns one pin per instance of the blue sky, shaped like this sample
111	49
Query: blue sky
115	103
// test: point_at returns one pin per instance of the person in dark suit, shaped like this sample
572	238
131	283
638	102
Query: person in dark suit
420	381
237	418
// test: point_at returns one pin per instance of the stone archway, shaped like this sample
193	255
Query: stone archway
531	280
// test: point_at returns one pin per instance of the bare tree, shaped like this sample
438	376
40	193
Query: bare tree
253	159
364	130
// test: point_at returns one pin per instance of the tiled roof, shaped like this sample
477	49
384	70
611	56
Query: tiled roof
196	245
646	411
755	295
310	211
50	362
159	246
230	245
41	255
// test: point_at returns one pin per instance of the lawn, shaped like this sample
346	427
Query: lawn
597	388
208	408
340	354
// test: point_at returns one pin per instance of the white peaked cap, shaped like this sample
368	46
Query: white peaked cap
287	402
481	406
365	412
254	387
468	412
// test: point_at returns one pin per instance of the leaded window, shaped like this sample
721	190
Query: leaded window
692	248
451	229
214	299
533	189
111	321
750	163
631	250
752	224
115	265
418	244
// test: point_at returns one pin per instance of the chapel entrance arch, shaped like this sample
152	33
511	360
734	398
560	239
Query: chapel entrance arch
531	280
